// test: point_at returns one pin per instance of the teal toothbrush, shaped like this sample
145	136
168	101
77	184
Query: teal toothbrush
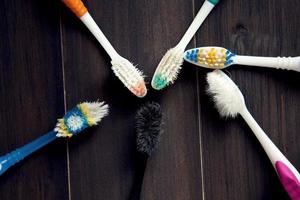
84	115
170	65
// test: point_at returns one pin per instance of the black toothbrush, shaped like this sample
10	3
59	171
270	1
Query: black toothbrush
148	132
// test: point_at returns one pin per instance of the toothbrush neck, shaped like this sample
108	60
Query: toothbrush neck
269	147
197	22
99	35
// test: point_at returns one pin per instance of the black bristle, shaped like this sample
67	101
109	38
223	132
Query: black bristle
148	127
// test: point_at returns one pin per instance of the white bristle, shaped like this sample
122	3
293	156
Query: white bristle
97	110
170	65
93	113
127	73
227	97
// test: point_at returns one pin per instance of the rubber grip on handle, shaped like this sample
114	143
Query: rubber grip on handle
289	181
76	6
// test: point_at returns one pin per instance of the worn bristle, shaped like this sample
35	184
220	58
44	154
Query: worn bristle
84	115
168	69
130	76
148	127
210	57
227	97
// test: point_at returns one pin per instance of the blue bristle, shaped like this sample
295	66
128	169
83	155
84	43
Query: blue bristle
188	55
229	56
75	113
195	57
228	62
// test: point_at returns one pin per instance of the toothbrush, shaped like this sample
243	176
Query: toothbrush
170	65
220	58
148	127
130	76
84	115
230	102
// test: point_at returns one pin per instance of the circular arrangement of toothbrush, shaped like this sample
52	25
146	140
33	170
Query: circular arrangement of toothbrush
227	97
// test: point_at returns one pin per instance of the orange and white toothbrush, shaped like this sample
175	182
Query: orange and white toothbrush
131	77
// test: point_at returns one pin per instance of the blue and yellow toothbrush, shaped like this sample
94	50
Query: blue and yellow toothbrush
84	115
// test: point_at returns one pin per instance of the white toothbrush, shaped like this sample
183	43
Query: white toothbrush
170	65
131	77
230	102
220	58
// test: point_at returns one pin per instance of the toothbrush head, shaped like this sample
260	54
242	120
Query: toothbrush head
84	115
214	1
209	57
148	127
228	98
168	69
130	76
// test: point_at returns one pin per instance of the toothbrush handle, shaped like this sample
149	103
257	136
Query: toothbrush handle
76	6
204	11
14	157
288	63
288	179
81	11
288	174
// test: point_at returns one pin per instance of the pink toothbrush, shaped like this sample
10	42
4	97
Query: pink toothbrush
230	102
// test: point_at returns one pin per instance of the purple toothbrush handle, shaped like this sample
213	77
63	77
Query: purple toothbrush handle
289	181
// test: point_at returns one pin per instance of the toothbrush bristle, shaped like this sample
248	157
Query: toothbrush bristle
84	115
227	97
168	69
210	57
149	124
130	76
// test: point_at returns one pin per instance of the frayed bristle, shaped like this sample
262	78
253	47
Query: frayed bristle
84	115
148	127
227	97
95	111
130	76
168	69
210	57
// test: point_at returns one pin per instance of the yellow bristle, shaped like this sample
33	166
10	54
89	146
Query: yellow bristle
63	128
85	110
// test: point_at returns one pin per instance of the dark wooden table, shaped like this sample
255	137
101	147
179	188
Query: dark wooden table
49	62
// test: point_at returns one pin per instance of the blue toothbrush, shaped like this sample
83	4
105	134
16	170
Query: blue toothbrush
84	115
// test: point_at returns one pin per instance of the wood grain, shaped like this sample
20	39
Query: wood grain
235	166
49	62
103	166
31	98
